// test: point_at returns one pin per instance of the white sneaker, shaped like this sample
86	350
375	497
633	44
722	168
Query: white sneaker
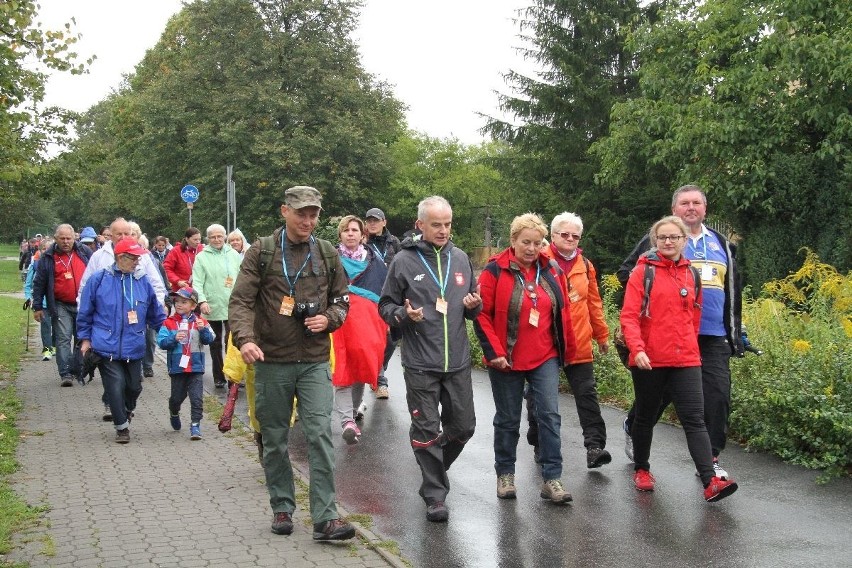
359	415
46	354
721	473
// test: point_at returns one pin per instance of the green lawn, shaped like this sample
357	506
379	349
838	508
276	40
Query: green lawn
10	278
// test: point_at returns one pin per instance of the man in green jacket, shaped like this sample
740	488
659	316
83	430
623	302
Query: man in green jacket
287	299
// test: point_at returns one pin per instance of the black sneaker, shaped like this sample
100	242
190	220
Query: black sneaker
148	373
122	436
282	523
596	457
335	529
67	381
437	512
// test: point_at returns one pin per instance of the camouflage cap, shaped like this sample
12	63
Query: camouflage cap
302	196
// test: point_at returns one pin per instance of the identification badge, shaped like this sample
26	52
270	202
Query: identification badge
68	276
132	317
184	361
706	272
229	282
287	305
534	317
441	306
574	297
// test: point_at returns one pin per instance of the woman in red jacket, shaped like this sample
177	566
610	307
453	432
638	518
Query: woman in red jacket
526	336
662	335
180	260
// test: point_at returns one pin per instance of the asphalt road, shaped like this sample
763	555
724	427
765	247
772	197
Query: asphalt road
779	517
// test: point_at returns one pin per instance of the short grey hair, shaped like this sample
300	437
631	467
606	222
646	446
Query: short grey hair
435	201
684	189
566	218
63	227
216	227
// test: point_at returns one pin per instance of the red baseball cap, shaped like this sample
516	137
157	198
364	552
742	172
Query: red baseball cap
128	245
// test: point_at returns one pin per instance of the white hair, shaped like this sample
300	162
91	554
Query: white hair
214	228
435	201
566	218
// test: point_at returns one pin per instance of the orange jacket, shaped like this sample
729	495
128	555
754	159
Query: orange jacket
587	315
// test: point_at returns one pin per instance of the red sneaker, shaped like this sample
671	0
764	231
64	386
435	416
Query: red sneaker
643	480
719	489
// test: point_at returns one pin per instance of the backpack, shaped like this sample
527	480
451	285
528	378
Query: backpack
267	251
648	283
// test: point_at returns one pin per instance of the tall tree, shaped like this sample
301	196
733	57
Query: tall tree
579	48
751	100
274	89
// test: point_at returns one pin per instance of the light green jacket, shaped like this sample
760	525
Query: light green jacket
210	272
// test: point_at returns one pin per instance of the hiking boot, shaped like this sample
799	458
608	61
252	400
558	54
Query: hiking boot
46	354
351	433
719	488
67	381
596	457
554	490
122	436
258	440
359	415
382	392
195	431
282	523
643	480
506	486
148	373
107	414
628	442
335	529
437	512
175	421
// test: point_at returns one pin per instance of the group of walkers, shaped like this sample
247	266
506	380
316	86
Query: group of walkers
317	322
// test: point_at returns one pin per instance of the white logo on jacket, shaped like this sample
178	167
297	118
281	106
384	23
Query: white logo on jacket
419	277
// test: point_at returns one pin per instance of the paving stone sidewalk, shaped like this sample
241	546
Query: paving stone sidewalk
161	500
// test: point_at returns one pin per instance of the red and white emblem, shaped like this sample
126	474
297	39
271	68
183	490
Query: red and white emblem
459	279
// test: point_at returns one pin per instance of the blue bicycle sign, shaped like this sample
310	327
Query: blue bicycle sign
189	193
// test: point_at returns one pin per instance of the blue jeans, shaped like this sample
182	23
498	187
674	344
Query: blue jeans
46	328
122	386
65	332
508	391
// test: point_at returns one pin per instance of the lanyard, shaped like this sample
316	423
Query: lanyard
381	254
284	263
446	277
124	290
67	265
532	290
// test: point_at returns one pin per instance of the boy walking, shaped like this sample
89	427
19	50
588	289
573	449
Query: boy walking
183	335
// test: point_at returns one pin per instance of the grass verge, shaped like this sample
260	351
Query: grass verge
15	514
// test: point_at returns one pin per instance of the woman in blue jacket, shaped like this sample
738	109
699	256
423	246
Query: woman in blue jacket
115	308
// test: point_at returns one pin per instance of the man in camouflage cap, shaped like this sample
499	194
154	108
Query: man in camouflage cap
291	293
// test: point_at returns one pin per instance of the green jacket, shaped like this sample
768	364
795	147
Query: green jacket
210	275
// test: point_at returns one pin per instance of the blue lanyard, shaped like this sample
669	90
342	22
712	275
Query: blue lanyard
532	293
124	291
378	252
441	287
284	263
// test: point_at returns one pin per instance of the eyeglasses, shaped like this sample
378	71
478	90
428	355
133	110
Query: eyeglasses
569	236
672	238
131	257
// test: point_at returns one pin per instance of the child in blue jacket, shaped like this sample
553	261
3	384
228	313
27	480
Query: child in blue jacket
183	335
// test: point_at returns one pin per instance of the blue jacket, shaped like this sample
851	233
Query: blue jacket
167	339
103	319
43	281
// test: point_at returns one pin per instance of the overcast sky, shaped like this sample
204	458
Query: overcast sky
445	58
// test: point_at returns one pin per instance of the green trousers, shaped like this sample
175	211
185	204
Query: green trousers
276	384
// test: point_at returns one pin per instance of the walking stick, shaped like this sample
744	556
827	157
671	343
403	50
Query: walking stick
27	344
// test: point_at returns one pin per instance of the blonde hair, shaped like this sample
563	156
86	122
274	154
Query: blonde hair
527	221
344	224
668	219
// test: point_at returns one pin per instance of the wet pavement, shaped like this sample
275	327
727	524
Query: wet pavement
780	515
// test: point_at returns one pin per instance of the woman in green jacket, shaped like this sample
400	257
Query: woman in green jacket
213	276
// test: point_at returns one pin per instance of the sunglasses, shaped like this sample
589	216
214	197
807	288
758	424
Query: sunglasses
569	236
